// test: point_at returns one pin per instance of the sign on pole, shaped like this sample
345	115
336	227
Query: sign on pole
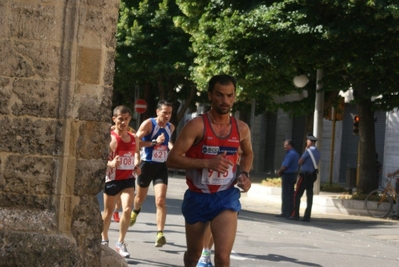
140	106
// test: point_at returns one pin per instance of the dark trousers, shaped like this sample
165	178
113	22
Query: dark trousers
287	193
305	182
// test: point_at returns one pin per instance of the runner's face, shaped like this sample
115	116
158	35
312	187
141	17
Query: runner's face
222	98
122	121
164	113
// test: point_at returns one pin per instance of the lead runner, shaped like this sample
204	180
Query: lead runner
208	148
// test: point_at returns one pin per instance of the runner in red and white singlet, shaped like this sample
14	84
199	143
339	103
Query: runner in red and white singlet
207	148
207	180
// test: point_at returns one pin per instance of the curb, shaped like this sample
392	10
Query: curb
323	203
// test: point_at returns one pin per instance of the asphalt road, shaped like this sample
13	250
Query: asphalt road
265	240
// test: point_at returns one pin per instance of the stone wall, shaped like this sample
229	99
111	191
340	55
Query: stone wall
56	74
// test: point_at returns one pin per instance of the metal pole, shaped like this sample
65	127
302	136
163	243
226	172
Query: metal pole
318	123
358	165
332	145
137	96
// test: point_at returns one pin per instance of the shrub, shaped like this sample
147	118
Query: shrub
336	188
272	181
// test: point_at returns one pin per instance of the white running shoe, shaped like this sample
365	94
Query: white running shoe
121	249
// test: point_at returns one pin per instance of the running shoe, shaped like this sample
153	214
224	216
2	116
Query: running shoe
161	240
121	249
205	260
104	242
115	216
133	218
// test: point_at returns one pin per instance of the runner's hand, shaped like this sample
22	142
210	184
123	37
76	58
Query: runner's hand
220	163
116	162
244	182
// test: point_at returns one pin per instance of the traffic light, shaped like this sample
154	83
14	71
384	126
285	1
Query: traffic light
356	120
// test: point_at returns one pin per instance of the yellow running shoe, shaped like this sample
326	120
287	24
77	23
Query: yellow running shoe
161	240
133	218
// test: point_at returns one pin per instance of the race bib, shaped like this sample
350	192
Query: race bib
160	153
127	160
212	177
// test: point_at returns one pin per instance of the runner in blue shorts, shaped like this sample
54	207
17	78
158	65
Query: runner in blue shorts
208	148
199	207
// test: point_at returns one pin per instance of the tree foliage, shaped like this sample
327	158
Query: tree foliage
266	43
153	55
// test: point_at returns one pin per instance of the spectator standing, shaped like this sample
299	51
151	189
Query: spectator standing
288	173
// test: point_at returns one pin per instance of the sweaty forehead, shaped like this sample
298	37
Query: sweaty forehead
224	88
165	108
123	115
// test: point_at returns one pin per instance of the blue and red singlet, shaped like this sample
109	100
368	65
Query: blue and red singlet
206	180
159	152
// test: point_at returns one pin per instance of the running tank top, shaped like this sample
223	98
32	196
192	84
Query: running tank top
206	180
126	152
159	152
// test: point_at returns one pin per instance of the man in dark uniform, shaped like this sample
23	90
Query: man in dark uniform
307	176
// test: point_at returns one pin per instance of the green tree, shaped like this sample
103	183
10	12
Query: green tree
153	55
266	43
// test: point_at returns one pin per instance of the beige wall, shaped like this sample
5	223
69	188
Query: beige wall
56	74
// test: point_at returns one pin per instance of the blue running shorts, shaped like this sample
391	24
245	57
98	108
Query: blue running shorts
203	207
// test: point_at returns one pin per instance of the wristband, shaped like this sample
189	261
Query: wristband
245	173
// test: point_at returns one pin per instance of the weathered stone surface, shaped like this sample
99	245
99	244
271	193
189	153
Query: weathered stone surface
93	103
44	58
93	140
39	249
110	258
28	182
92	177
5	95
30	220
3	18
86	224
56	68
28	136
35	21
12	64
35	98
104	5
96	24
89	63
109	70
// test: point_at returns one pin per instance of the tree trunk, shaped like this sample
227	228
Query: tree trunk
367	152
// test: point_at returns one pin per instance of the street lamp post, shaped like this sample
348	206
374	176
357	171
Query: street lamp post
318	122
300	81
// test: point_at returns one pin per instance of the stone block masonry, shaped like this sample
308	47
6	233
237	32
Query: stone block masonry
56	78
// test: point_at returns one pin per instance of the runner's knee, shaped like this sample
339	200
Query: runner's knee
160	202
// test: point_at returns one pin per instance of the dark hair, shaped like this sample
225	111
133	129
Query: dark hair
222	79
164	103
122	110
290	142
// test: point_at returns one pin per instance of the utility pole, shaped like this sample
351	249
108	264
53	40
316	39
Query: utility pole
318	123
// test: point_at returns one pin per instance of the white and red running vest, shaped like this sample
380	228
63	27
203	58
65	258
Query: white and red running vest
206	180
126	152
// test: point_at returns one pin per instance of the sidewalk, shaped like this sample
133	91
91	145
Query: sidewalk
323	203
262	198
266	199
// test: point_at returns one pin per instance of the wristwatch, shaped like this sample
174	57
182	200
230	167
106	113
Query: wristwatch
245	173
154	142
